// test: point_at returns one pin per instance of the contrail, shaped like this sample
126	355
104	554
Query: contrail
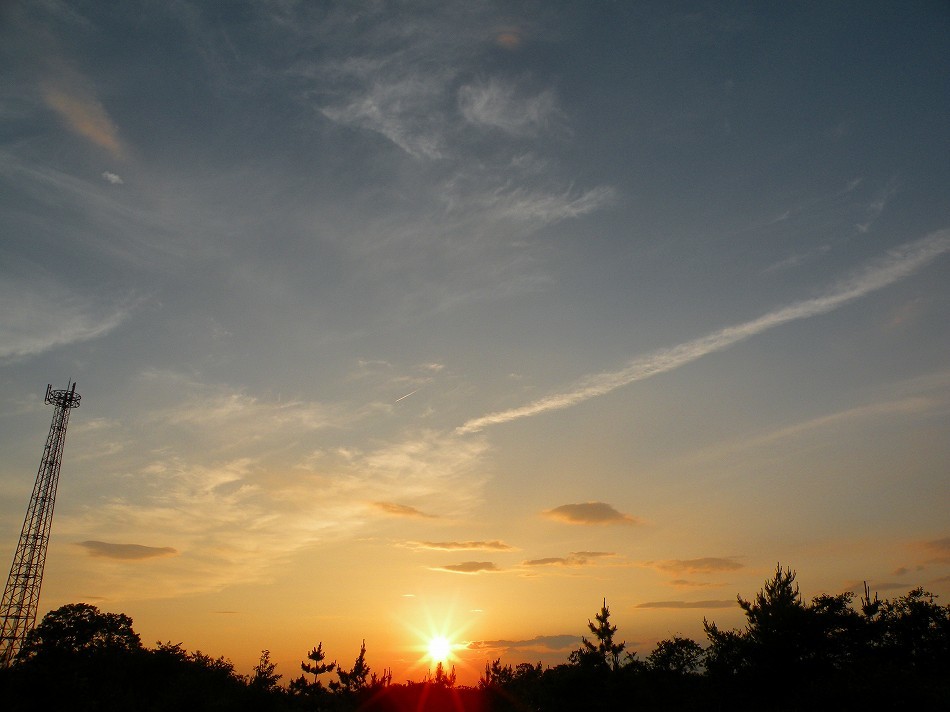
897	264
405	396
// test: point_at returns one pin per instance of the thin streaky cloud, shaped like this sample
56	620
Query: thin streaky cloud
705	565
468	567
494	545
575	558
687	604
128	552
402	510
540	642
898	264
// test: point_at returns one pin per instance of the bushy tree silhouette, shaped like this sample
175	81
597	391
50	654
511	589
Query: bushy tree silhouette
676	656
80	628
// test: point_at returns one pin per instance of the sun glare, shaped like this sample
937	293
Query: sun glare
439	649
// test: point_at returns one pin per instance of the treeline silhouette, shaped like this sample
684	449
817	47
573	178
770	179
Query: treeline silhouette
829	653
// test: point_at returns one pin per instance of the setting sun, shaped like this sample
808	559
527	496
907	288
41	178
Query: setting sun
439	649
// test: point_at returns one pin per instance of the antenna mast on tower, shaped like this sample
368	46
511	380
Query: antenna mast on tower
21	595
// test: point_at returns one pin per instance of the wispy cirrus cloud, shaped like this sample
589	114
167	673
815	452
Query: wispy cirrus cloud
131	552
500	104
468	567
877	205
705	565
906	406
898	264
589	513
232	482
39	315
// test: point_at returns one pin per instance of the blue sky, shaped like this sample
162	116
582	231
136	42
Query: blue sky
473	314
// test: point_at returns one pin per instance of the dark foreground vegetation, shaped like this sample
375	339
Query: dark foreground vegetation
830	653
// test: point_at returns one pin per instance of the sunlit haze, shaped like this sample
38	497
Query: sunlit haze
435	324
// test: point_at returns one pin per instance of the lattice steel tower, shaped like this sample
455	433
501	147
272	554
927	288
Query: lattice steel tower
21	595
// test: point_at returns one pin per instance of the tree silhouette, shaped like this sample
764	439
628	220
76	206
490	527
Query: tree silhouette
80	628
677	656
265	676
604	652
442	678
355	680
790	655
315	667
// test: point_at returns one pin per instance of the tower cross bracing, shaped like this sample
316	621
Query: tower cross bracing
21	595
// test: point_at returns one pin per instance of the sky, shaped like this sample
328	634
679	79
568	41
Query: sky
402	319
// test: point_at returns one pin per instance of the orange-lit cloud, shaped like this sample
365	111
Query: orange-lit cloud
575	558
938	550
684	583
686	604
589	513
508	39
541	642
706	565
126	551
82	112
468	567
402	510
462	545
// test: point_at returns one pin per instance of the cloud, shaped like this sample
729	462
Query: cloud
874	586
537	207
898	264
707	565
684	583
126	551
686	604
402	510
39	315
877	206
70	96
937	550
394	108
575	558
462	545
241	498
541	642
468	567
508	39
499	104
589	513
113	178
